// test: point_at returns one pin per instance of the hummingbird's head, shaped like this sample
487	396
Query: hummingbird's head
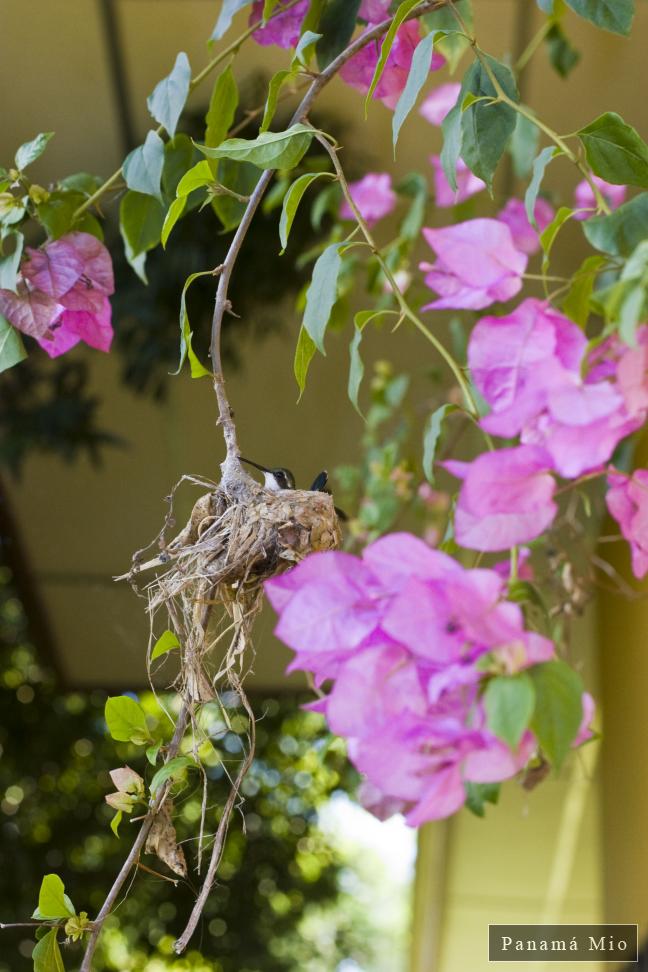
283	478
274	479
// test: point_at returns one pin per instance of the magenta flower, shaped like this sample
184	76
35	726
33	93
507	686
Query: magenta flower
506	498
373	195
359	71
62	295
407	636
527	366
374	11
584	197
627	501
439	102
283	29
467	184
525	236
477	264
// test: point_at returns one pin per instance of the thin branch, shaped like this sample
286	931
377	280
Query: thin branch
232	48
222	304
136	849
221	833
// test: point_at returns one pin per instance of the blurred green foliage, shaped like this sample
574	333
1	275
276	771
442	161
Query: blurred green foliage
279	904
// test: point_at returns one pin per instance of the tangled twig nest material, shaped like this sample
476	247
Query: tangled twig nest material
239	534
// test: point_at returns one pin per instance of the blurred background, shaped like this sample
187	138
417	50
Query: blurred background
92	444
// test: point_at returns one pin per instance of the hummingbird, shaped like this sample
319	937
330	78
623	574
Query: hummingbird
282	478
274	479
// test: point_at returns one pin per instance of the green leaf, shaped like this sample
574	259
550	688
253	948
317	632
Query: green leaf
322	294
81	182
12	349
431	434
613	15
268	7
305	48
169	95
276	83
558	709
621	231
242	178
197	369
126	720
356	368
418	75
222	108
549	234
166	642
30	151
452	128
487	128
576	303
152	752
178	157
631	312
615	151
115	822
143	166
228	10
336	25
175	211
57	214
141	219
415	186
304	353
524	146
53	902
401	13
509	701
478	794
562	56
454	44
175	770
198	176
47	954
539	166
270	150
9	264
291	203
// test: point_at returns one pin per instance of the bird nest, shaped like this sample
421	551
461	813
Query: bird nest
239	534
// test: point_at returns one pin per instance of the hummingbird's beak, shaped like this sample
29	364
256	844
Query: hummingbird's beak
255	464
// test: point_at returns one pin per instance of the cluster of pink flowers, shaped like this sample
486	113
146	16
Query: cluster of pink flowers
569	410
284	30
407	637
62	295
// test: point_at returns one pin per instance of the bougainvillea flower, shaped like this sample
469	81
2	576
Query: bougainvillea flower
439	102
407	637
506	498
584	197
525	236
328	613
373	195
63	295
374	11
477	264
467	184
527	366
585	729
283	29
627	501
359	71
30	311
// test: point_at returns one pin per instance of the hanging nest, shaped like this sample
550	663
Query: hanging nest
239	535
